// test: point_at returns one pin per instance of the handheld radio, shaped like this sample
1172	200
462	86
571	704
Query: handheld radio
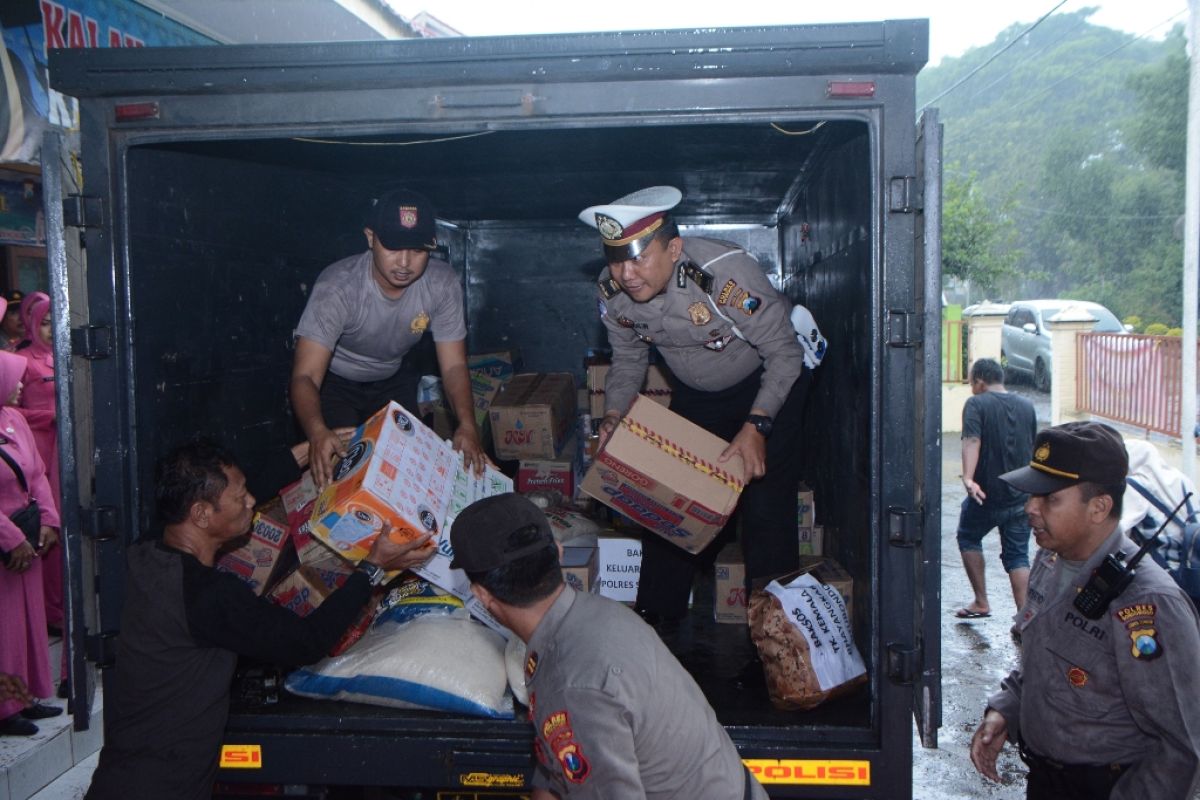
1114	574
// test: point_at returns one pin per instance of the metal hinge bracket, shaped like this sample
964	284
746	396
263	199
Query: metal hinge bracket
91	342
81	211
101	649
902	663
99	523
903	328
904	527
904	196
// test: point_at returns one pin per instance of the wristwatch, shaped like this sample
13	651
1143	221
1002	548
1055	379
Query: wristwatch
375	573
761	423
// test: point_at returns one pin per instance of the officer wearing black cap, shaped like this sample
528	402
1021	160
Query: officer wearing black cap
741	374
1100	707
364	314
613	712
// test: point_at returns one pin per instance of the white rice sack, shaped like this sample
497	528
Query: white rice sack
514	665
436	661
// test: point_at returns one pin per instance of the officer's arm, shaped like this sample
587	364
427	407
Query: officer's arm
598	758
1160	693
308	373
631	357
764	318
456	381
1007	702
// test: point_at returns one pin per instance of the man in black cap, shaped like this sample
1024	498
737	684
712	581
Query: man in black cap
364	314
614	714
740	373
1104	703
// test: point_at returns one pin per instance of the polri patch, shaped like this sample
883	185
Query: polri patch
420	323
1143	633
1077	676
556	730
699	313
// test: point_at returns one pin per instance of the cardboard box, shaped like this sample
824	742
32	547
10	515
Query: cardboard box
806	510
502	364
580	567
831	573
729	594
396	471
266	554
618	567
301	591
533	415
560	473
656	386
812	541
661	471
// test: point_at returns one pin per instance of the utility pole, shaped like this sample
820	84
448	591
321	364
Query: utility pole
1191	248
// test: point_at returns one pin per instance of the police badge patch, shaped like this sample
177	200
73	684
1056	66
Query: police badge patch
609	228
420	323
699	313
408	217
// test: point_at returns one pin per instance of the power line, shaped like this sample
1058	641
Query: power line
1029	57
994	56
1095	61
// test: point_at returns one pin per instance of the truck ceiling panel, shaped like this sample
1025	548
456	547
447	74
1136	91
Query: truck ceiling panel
891	47
729	173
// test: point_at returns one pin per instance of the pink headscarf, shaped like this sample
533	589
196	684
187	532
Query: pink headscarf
34	309
12	367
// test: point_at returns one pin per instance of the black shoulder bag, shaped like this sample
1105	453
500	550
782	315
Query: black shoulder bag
28	518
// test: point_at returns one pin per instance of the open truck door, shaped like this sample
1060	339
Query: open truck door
927	686
72	374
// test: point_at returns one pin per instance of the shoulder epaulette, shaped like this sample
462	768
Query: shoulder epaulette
609	287
698	276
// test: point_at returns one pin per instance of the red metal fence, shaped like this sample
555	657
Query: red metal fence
1132	379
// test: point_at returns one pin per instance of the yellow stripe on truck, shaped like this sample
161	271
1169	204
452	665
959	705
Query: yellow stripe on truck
241	756
810	772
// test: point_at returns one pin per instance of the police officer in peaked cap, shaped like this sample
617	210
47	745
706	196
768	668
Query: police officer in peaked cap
739	372
1105	702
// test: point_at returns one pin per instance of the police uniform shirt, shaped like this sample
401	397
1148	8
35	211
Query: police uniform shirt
1122	689
616	716
692	324
369	333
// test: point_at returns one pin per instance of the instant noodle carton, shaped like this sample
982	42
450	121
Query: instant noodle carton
396	471
661	471
265	554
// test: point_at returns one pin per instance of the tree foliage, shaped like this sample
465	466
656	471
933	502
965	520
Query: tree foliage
1074	139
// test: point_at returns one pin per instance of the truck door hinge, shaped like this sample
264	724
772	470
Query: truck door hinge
91	342
904	195
81	211
904	328
904	527
902	663
101	649
100	523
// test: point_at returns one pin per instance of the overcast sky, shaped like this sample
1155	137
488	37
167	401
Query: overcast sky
955	25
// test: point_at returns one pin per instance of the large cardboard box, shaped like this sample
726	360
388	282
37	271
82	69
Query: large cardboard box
501	364
729	593
661	471
267	553
396	471
560	473
618	567
533	415
579	567
656	386
829	572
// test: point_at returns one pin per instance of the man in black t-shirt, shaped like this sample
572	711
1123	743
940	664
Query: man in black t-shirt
998	429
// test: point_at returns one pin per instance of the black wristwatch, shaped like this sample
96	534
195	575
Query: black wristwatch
375	573
761	423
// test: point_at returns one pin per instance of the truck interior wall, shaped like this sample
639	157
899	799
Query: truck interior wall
827	245
221	255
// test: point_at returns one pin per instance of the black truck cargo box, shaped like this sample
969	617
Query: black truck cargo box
217	182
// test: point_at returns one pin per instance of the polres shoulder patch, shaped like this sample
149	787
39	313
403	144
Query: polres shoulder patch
556	730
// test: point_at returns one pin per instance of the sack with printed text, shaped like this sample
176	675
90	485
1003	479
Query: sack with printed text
804	638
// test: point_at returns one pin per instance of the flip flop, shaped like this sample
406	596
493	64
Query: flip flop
966	613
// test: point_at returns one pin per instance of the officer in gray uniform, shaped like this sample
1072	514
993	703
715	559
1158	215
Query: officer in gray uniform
614	714
740	373
1104	707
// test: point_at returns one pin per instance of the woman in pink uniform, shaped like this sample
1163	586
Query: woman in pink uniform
24	647
37	404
